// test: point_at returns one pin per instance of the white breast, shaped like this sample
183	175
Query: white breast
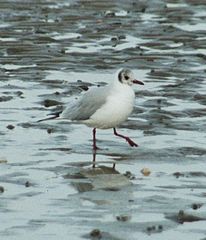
116	110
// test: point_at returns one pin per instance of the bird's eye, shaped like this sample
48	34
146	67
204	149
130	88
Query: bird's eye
126	77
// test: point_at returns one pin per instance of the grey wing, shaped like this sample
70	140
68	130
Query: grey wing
84	107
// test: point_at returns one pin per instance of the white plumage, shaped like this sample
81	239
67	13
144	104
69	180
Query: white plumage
104	107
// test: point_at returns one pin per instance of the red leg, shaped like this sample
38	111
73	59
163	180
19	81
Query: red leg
94	140
131	143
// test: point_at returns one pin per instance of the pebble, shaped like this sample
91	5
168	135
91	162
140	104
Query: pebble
96	233
49	103
50	130
195	206
129	175
10	127
146	172
1	189
27	184
123	218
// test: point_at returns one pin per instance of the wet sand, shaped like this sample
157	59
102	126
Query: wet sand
51	51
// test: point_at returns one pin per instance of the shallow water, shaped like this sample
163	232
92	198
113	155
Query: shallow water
52	51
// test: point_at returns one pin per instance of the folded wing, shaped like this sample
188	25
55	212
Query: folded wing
85	106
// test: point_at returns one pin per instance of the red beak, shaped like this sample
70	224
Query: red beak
138	82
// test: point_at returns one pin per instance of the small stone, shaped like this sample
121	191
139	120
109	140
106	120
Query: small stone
121	37
3	161
1	189
123	218
19	93
10	127
178	174
50	130
160	227
114	39
5	98
49	103
184	217
146	172
153	228
149	229
96	233
85	88
195	206
27	184
129	175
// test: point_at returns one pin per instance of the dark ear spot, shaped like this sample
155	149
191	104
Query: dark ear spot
120	77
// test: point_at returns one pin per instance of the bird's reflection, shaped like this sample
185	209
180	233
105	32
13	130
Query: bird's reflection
94	154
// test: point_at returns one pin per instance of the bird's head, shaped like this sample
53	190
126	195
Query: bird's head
126	76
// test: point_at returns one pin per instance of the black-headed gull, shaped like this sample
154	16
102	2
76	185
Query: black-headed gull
104	107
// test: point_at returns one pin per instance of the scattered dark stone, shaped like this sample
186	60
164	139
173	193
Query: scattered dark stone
121	37
96	233
40	31
149	229
197	174
200	55
196	206
85	88
160	227
178	174
10	127
19	93
50	130
114	39
129	175
154	229
123	218
50	103
3	161
184	217
27	184
5	98
1	189
57	93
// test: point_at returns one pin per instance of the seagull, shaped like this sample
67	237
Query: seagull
104	107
